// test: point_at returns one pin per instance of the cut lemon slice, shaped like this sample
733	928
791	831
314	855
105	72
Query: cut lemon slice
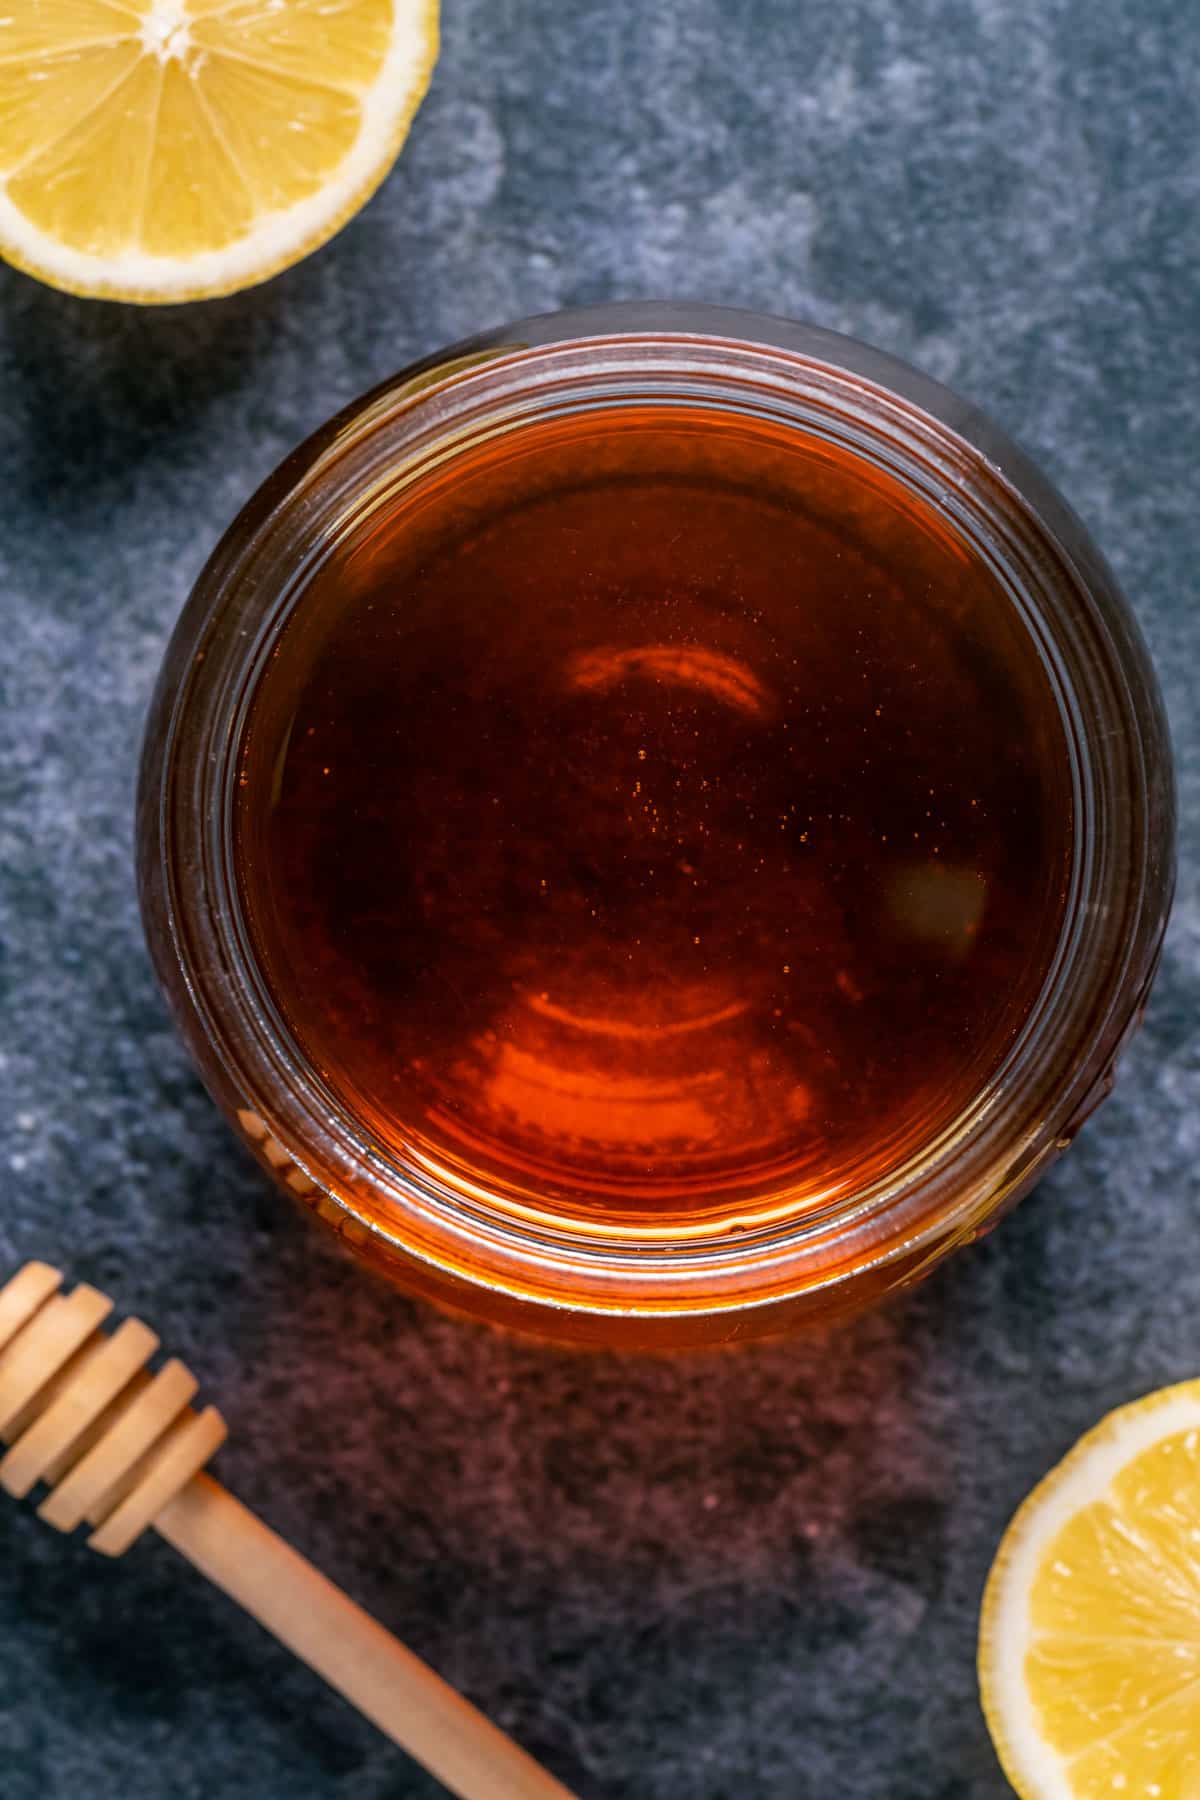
159	150
1089	1648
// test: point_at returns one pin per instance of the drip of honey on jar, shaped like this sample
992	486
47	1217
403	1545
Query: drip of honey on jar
655	817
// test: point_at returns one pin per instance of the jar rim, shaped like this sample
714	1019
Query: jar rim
950	456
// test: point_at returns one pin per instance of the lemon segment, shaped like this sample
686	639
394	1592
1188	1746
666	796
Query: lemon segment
1089	1653
50	25
43	100
312	40
166	149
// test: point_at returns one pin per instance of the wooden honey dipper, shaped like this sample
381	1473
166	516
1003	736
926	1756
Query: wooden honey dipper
122	1449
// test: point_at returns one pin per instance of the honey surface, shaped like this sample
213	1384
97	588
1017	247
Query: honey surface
657	816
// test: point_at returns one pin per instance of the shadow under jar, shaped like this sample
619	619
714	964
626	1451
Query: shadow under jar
656	824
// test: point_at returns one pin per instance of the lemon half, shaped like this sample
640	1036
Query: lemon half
159	150
1089	1649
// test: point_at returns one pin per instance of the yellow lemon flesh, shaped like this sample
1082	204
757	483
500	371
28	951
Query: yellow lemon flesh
1089	1649
158	150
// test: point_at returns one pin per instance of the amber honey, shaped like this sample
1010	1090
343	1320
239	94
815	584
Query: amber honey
655	815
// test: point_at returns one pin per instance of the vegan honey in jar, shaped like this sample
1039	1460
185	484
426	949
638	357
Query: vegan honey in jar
683	825
660	815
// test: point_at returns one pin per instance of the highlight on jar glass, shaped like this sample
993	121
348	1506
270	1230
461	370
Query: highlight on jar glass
656	825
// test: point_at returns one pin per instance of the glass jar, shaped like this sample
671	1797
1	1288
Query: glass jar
537	1269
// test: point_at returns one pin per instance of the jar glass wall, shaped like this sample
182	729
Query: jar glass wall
693	1164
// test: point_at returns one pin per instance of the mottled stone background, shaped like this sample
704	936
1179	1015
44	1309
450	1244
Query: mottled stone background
746	1579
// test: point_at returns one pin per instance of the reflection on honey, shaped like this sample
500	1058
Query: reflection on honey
647	1085
721	678
655	817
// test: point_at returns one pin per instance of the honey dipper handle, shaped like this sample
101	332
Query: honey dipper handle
387	1683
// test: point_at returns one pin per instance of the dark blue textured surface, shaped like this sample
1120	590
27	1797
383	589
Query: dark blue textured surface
754	1577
